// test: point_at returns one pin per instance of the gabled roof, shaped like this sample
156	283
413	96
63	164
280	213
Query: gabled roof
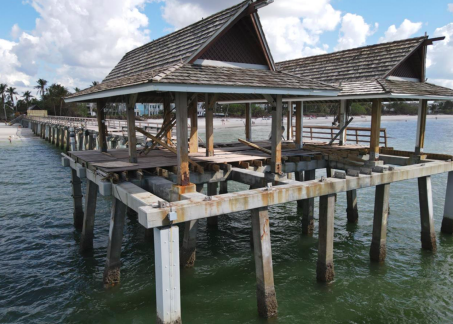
175	47
34	107
369	62
211	79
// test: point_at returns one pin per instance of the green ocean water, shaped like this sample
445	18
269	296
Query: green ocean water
43	279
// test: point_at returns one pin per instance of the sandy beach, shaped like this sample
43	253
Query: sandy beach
233	122
15	133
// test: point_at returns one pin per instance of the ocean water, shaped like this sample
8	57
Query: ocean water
43	279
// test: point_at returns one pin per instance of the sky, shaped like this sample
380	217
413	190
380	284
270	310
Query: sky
76	42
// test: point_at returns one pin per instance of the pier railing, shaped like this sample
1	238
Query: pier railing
356	135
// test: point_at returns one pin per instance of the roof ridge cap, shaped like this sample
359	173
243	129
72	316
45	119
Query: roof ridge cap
308	79
165	73
352	49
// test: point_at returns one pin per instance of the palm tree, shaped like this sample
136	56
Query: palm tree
77	89
3	94
56	94
11	92
27	96
41	86
94	83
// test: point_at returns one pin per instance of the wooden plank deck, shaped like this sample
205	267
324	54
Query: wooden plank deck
163	158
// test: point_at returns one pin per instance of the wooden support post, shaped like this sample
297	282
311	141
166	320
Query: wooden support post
276	140
289	122
193	143
91	142
57	136
102	128
80	141
307	205
248	122
62	140
378	248
67	140
77	197
299	124
168	291
183	178
428	235
324	268
131	136
223	188
189	243
86	240
376	113
265	290
209	104
343	120
447	221
352	210
167	115
212	222
113	263
421	126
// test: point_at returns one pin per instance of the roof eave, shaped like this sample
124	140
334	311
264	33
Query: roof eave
196	88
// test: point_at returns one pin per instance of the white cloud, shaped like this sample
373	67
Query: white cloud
354	32
405	30
440	60
15	31
9	73
450	7
84	39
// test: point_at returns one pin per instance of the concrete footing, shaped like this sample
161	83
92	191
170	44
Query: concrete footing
447	221
77	198
113	263
325	268
265	290
352	210
168	292
428	235
86	239
378	249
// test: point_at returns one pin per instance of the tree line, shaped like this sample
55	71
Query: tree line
47	97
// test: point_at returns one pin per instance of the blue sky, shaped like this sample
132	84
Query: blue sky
79	41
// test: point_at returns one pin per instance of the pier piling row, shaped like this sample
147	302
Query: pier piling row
161	203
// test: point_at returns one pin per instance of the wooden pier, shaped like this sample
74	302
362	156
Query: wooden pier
161	181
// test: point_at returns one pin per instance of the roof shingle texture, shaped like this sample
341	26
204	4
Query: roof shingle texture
369	62
173	48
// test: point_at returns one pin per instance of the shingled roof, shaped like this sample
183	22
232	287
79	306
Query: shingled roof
369	62
229	51
189	74
383	69
175	47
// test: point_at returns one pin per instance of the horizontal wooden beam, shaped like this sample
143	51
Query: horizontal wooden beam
198	208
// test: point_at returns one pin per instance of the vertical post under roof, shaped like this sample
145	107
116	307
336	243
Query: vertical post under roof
299	124
100	104
289	122
193	145
276	140
167	116
248	122
421	126
130	105
376	113
342	119
209	105
181	134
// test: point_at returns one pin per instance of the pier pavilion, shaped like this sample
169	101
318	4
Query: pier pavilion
225	58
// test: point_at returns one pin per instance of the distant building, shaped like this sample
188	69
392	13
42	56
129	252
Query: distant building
36	111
